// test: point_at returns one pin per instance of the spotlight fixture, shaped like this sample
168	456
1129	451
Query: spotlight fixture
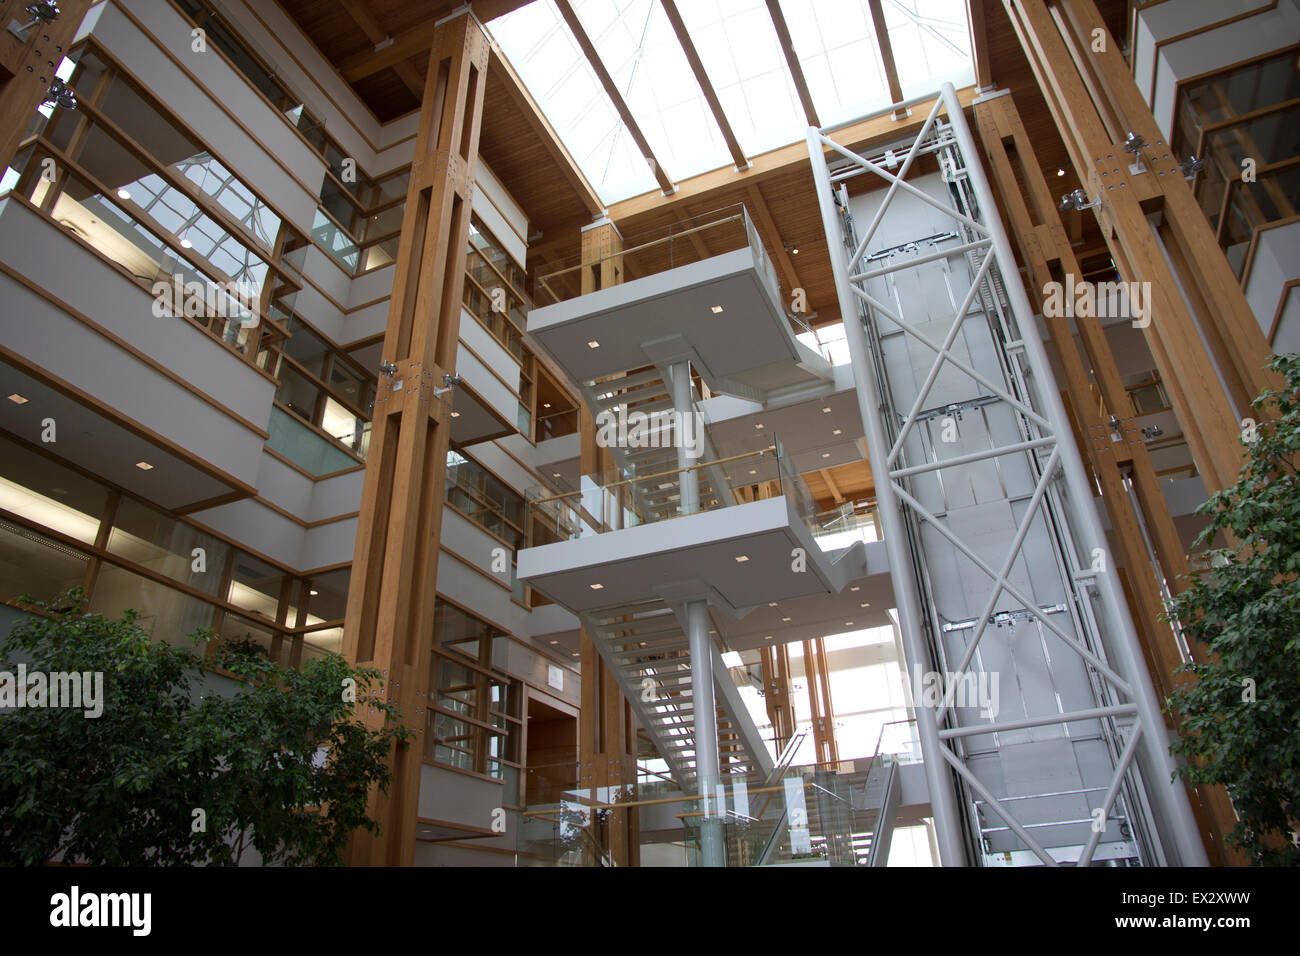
791	248
1133	143
449	382
61	95
387	369
39	13
1060	172
1077	200
1191	166
313	592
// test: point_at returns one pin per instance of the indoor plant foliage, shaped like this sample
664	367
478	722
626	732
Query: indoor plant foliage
181	768
1239	717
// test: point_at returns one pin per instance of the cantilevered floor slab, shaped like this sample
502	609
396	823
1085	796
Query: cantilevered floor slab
724	314
745	555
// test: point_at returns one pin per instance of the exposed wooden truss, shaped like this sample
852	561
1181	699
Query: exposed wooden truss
702	78
886	55
377	34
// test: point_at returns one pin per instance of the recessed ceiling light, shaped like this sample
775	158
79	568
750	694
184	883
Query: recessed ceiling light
836	432
794	251
123	194
865	604
455	414
826	410
555	642
742	558
596	587
848	623
717	309
826	454
785	619
575	654
555	474
186	244
767	637
313	592
759	425
593	344
1060	172
855	588
144	466
17	399
546	404
771	604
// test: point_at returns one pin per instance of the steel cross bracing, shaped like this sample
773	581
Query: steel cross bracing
1112	712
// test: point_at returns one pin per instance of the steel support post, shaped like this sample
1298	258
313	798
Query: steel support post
706	733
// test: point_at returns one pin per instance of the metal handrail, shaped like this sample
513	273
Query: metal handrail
663	474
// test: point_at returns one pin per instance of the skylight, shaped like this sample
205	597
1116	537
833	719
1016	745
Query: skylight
834	42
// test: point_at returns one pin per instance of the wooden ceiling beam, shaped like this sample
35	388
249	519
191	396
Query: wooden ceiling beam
710	95
979	44
611	90
830	483
767	227
886	54
792	62
500	68
376	34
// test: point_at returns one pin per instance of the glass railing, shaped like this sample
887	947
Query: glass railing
680	243
614	500
838	530
302	445
810	815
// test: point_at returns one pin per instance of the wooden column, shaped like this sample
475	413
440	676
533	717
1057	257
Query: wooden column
389	622
1033	219
607	746
1095	104
27	68
776	693
819	701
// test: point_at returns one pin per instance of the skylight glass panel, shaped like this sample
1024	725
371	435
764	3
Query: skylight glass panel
540	46
743	59
836	46
931	44
637	44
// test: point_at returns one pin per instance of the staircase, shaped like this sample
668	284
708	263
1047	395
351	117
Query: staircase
645	646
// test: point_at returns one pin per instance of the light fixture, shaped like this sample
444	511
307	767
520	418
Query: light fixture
1133	143
753	471
826	410
785	620
593	344
742	558
61	95
17	399
1077	200
1060	172
767	637
546	404
455	414
124	194
717	309
555	474
837	432
848	623
771	604
144	466
186	244
826	454
313	592
1191	166
791	248
574	654
759	426
855	588
865	604
596	587
555	642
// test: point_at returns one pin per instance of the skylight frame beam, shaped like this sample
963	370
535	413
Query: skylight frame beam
706	86
887	57
792	62
570	17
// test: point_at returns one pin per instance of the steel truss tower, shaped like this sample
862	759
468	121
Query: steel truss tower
1001	572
